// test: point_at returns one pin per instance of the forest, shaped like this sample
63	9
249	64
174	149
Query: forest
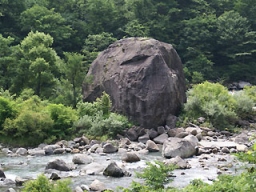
47	46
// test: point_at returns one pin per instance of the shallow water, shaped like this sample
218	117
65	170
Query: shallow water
30	167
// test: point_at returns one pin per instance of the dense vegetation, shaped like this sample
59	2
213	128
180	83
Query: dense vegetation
29	121
221	109
48	45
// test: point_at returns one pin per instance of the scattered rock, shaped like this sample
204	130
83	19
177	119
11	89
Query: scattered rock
2	175
22	151
161	138
151	146
130	157
19	181
36	152
225	150
179	162
152	133
92	169
58	164
160	130
49	149
109	148
182	134
54	176
113	170
59	151
241	148
178	147
131	134
143	138
97	185
78	189
82	159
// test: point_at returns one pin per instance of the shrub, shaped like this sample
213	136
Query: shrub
99	125
42	184
244	105
250	91
7	110
155	175
101	104
96	120
28	128
239	183
212	101
29	125
63	118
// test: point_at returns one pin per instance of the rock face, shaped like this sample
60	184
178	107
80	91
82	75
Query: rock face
143	77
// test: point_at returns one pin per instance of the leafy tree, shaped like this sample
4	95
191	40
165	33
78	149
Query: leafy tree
135	29
196	45
37	66
236	46
74	71
9	18
39	18
7	110
212	101
93	44
101	16
247	8
7	61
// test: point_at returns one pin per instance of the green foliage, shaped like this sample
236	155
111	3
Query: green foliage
70	86
244	105
7	61
7	110
250	92
155	175
102	104
37	65
30	124
42	184
63	118
39	18
238	183
94	44
212	101
97	120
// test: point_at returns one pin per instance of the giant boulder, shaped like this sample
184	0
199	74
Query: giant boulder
143	77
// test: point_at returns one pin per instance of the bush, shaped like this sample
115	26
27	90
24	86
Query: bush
96	120
29	125
42	184
250	91
239	183
244	105
98	125
7	110
101	104
155	175
29	128
212	101
63	118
